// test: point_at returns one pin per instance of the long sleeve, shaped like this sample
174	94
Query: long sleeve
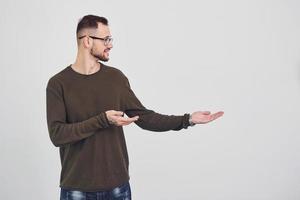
60	131
148	119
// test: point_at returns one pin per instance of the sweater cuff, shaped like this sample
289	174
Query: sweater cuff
103	121
186	122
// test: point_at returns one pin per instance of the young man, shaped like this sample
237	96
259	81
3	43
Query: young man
86	102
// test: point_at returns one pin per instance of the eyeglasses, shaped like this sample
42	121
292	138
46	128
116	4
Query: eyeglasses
107	40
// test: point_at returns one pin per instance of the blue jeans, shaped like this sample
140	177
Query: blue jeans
122	192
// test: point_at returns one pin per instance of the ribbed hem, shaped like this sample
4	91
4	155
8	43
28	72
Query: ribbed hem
95	188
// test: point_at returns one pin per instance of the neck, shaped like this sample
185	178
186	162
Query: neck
86	63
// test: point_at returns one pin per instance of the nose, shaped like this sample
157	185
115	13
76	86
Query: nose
110	45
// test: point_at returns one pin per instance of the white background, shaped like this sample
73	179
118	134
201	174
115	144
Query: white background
238	56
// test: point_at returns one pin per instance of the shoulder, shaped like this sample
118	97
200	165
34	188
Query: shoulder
115	72
56	80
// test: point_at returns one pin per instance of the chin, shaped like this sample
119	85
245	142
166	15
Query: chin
103	59
106	59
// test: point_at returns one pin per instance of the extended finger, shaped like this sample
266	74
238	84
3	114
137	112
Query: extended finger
132	119
216	115
125	123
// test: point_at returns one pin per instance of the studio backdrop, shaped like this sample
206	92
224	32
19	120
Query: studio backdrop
240	57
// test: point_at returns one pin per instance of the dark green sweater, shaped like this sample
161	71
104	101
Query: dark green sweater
93	153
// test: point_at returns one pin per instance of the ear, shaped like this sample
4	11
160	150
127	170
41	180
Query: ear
87	42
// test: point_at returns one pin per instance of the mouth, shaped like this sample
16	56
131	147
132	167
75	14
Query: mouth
106	51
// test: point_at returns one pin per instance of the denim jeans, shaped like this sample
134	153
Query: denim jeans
122	192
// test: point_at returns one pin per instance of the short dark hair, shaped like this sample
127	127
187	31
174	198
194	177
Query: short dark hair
90	21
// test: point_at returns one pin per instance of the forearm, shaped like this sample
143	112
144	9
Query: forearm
63	133
150	120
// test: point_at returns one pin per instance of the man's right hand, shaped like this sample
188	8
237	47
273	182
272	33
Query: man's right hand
117	118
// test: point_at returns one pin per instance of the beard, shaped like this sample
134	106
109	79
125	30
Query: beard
99	56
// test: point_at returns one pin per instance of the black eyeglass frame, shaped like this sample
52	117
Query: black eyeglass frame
106	40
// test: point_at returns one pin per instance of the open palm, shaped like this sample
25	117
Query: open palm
202	117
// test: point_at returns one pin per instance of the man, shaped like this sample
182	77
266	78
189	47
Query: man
86	102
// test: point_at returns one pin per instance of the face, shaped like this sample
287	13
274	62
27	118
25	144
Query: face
98	49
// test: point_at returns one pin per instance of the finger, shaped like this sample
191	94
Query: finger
216	115
126	123
206	112
119	113
132	119
220	113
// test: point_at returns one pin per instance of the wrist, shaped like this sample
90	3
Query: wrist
190	121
